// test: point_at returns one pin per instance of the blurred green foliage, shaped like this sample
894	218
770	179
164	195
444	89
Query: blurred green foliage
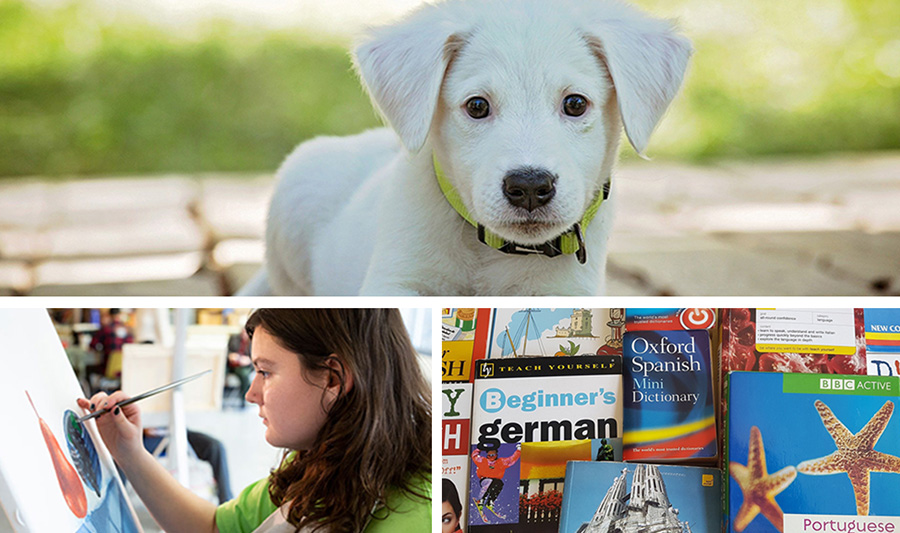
83	94
785	77
78	97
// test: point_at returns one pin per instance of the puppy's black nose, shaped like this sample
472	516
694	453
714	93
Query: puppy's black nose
529	187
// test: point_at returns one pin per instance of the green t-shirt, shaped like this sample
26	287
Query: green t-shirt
246	512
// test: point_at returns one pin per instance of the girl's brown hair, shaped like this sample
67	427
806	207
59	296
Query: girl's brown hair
377	436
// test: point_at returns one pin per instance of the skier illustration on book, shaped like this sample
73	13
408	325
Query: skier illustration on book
490	469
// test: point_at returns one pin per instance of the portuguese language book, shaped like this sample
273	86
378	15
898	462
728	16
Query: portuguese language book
883	341
669	404
544	332
529	417
812	453
456	413
612	496
463	338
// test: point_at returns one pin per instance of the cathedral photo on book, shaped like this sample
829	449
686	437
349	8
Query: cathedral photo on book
640	497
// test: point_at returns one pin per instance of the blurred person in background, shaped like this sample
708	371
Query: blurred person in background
239	362
107	342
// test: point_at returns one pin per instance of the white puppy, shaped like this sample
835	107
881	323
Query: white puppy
506	118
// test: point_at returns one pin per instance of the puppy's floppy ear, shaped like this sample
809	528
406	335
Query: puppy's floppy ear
403	66
646	60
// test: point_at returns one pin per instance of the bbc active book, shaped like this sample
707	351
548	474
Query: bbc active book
812	453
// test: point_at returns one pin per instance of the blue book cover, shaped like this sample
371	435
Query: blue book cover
810	452
669	398
882	330
602	497
882	341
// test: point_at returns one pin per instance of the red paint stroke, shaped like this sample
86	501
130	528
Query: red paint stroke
69	482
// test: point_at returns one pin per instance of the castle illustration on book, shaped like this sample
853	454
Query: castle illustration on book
533	332
644	504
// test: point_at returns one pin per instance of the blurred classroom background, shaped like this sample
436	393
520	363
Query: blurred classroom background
138	142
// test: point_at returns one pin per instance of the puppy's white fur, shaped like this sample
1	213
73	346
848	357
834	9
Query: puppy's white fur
364	214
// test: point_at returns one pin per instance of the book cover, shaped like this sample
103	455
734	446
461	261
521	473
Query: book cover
818	341
669	318
456	413
625	497
882	341
669	404
458	324
808	452
463	338
529	417
674	319
534	332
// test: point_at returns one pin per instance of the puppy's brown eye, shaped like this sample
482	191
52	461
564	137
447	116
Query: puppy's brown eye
574	105
478	107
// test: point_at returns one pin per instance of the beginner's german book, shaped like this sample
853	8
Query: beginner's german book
530	416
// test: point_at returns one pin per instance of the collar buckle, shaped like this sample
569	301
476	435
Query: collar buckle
551	248
581	252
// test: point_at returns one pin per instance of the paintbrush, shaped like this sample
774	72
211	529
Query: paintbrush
147	394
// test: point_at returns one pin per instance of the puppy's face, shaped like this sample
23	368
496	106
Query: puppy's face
525	125
522	102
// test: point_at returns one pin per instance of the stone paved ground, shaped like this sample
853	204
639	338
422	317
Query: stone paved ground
825	226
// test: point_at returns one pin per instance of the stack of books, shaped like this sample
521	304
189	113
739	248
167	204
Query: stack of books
606	420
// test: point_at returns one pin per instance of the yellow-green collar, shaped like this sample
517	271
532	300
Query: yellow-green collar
570	242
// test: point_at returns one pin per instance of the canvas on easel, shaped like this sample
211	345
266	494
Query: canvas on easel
55	472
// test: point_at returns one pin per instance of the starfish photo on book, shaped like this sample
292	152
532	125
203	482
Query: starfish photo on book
855	455
813	426
758	486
